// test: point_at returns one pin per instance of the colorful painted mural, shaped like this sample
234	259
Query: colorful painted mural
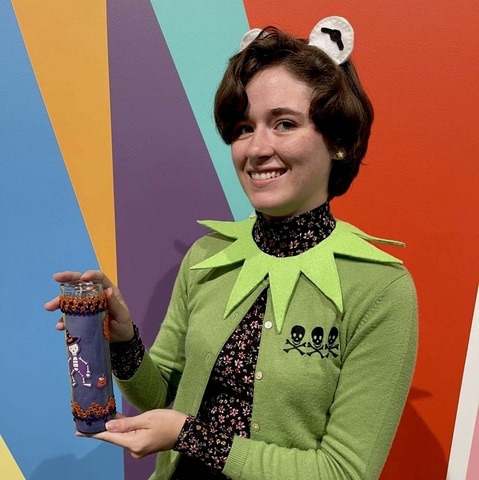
109	155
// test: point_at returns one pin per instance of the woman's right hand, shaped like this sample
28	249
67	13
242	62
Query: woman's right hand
121	326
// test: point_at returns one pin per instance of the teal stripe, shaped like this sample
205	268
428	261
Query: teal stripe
201	36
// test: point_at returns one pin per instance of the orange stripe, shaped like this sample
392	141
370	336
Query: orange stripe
67	46
419	183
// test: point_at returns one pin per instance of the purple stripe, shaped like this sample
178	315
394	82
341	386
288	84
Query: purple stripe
164	179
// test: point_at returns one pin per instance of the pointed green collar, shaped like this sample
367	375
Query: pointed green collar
317	263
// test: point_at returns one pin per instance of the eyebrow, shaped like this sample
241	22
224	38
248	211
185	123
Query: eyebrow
277	112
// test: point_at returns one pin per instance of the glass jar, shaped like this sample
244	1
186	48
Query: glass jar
85	316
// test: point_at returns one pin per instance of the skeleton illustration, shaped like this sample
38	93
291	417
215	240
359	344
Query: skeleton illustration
317	336
77	364
297	335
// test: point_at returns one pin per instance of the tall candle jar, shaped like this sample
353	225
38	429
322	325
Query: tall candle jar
85	316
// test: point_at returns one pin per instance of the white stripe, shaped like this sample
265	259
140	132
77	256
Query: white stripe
467	407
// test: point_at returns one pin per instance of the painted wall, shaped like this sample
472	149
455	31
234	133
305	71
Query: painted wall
108	155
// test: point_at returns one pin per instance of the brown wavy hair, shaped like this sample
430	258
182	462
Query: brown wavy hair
340	108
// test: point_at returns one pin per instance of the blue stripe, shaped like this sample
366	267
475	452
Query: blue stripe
41	231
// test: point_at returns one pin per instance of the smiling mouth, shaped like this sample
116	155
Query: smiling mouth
266	175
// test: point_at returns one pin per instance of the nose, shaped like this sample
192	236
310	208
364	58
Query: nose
260	146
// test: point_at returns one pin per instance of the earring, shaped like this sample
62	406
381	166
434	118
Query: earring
339	154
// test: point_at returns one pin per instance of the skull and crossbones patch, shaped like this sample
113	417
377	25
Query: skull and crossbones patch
315	343
296	341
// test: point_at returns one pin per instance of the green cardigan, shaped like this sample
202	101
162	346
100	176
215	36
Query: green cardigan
335	362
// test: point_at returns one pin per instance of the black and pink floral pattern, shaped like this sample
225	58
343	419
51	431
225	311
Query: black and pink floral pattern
126	357
292	236
226	408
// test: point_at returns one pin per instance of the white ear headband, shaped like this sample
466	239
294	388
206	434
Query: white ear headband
333	35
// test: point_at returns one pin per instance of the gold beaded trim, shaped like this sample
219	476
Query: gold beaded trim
106	327
83	306
94	412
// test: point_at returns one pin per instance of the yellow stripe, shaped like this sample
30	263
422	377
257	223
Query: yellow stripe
67	45
8	467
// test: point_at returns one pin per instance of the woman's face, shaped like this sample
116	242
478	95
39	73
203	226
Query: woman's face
281	160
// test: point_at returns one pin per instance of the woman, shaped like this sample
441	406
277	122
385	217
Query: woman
290	341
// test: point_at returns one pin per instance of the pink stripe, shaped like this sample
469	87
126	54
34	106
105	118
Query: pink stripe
473	467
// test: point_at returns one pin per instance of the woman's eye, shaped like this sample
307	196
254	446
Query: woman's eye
285	125
243	130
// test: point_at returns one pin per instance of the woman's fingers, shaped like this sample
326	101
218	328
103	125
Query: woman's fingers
61	277
97	276
121	327
52	305
116	305
66	276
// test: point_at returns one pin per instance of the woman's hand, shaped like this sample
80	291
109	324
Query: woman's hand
150	432
121	326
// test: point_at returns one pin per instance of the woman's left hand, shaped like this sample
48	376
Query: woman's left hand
150	432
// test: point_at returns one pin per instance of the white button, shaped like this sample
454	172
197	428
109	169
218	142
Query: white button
258	375
268	324
255	427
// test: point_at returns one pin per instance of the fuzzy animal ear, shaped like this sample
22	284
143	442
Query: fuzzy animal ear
248	37
335	36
